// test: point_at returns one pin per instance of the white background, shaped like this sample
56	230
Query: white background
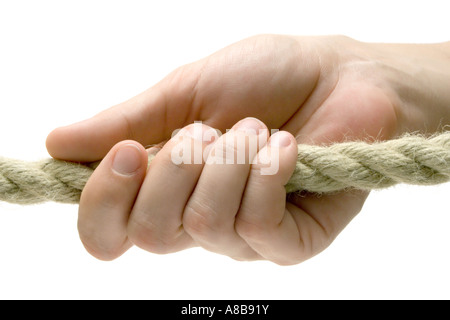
63	61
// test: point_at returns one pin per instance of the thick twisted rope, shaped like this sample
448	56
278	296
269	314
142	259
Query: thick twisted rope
322	169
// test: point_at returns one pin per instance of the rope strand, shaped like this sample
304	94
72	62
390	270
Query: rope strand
411	159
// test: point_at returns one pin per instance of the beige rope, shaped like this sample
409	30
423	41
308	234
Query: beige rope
411	159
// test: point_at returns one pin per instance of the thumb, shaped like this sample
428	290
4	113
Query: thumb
147	118
107	200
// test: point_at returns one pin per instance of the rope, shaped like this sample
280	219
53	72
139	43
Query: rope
411	159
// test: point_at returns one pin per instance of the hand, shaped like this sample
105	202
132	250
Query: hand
214	196
320	90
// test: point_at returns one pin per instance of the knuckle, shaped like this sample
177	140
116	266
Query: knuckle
250	229
146	235
198	222
101	249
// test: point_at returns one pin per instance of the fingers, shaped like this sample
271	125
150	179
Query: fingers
227	201
182	204
148	118
289	232
263	221
107	199
210	213
156	220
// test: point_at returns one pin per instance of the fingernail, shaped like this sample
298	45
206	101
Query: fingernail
280	139
127	159
249	126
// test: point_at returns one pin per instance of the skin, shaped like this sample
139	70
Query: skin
316	90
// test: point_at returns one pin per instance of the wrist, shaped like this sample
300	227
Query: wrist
419	77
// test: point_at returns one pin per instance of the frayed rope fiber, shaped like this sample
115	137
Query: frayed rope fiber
411	159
